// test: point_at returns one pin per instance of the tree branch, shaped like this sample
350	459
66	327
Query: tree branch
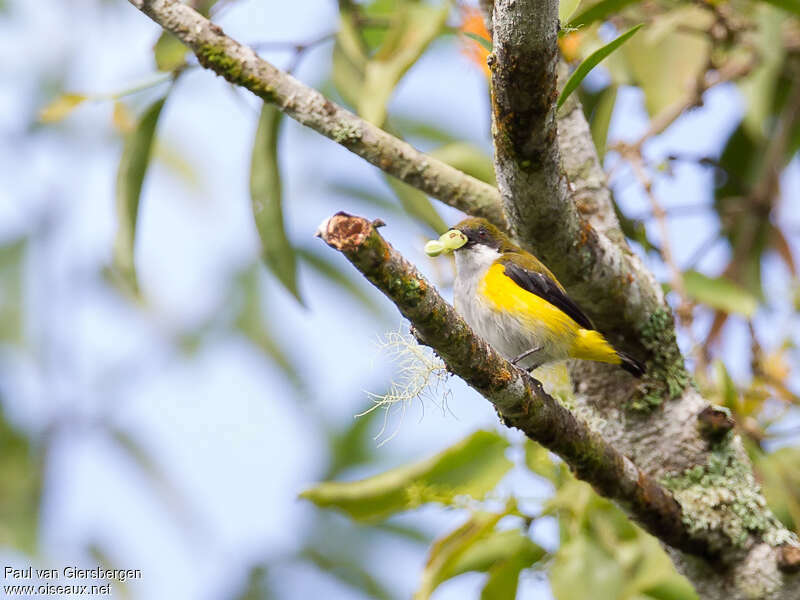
519	399
242	66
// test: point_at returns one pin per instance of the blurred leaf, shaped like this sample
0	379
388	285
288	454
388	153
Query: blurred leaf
417	205
779	475
121	118
176	502
759	86
667	63
256	587
412	127
353	445
720	293
591	61
411	33
365	195
177	164
267	199
477	546
130	177
102	559
349	60
791	6
582	569
250	321
538	460
598	108
485	44
330	271
61	107
21	477
12	257
566	8
468	158
472	467
725	387
599	11
169	52
349	572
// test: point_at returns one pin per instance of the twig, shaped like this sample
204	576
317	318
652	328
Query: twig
519	399
242	66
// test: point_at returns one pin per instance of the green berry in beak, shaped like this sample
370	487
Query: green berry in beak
447	242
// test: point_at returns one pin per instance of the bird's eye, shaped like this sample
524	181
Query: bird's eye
482	233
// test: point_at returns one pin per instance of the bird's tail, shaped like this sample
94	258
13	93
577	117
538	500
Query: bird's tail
630	364
591	345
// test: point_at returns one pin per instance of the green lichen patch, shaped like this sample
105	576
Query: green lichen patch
722	497
666	375
346	133
219	60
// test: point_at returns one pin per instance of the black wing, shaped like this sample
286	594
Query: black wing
544	287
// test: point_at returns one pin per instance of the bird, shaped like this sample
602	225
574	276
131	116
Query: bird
512	300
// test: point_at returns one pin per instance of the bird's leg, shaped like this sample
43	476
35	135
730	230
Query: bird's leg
525	354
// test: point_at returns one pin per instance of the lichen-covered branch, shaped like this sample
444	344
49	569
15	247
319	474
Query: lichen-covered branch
729	546
242	66
519	399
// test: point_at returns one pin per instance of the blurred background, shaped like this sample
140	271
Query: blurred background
173	375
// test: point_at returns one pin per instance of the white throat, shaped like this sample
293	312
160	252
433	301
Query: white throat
472	263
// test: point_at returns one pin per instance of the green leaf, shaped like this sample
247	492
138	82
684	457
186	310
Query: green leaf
583	569
478	546
791	6
666	60
720	293
598	108
130	177
330	271
61	107
538	460
566	8
468	158
472	467
599	11
21	475
349	60
250	321
12	258
267	198
487	44
169	52
349	572
592	61
417	205
411	33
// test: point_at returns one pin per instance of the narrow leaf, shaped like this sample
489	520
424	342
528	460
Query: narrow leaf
472	467
791	6
486	44
130	177
468	158
328	269
594	59
61	107
12	304
267	201
720	293
599	12
417	205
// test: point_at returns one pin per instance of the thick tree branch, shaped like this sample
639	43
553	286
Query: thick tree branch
519	399
242	66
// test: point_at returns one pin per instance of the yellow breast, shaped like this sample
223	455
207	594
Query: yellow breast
504	295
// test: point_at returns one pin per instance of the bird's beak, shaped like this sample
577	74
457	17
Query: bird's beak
447	242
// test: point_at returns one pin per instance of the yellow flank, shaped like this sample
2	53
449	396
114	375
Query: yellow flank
506	296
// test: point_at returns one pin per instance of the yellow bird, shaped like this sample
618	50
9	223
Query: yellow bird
515	303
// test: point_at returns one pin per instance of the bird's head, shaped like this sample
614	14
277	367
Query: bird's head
471	233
